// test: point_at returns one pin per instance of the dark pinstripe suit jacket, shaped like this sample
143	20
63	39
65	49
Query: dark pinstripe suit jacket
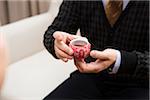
130	33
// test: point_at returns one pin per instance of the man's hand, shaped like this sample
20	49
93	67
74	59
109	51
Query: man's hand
62	50
104	60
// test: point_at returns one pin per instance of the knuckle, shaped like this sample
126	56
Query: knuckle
58	55
57	44
105	67
66	56
61	53
113	60
96	70
104	64
55	34
68	51
81	70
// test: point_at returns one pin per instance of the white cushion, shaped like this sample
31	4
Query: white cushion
25	34
25	37
34	77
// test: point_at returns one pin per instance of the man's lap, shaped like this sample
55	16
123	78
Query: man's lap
87	86
78	85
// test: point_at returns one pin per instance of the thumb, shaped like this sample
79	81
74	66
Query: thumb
58	36
98	54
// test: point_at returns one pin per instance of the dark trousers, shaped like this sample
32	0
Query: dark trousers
98	86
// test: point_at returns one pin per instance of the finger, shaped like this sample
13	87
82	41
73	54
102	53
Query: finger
65	48
58	36
98	54
64	59
105	64
98	65
92	67
75	62
62	54
81	65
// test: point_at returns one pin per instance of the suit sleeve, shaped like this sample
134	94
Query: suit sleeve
67	20
135	64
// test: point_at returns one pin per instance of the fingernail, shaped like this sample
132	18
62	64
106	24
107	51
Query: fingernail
65	59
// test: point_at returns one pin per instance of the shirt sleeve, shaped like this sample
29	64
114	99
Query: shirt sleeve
117	63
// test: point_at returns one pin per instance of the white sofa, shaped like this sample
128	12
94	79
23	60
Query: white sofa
32	72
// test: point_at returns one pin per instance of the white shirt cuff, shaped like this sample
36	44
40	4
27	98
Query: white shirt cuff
117	63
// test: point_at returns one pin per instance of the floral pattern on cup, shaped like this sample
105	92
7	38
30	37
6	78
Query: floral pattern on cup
81	47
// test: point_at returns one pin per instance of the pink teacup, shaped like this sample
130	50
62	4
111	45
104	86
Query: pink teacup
81	47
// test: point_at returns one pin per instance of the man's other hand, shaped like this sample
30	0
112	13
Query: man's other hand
104	60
